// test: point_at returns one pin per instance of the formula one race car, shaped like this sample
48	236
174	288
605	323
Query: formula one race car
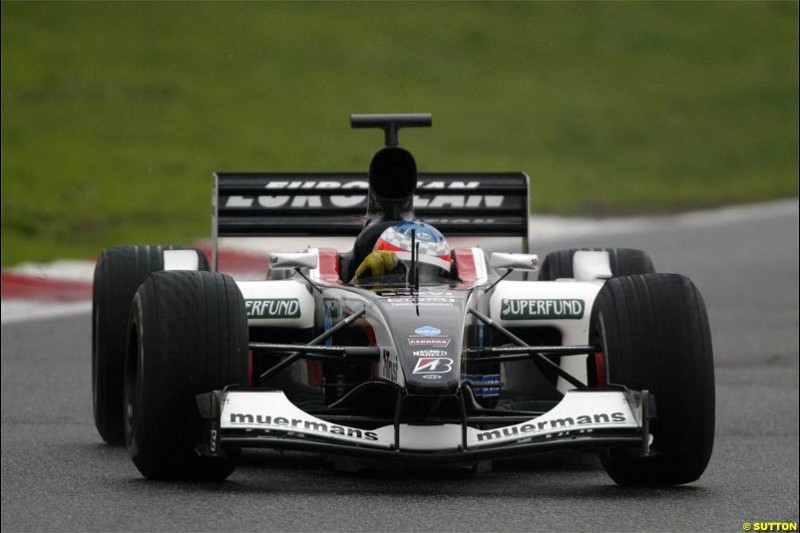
403	349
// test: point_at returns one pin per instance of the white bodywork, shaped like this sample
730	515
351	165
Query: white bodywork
481	273
282	303
579	413
590	266
292	260
525	262
549	304
181	260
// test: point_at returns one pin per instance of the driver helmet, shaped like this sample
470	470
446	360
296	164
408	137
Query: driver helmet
434	252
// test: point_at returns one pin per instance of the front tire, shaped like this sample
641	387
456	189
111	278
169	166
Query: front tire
187	335
654	333
117	276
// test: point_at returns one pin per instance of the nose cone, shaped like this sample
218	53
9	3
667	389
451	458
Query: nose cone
431	359
429	344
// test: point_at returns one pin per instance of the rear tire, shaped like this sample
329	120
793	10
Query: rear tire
623	261
117	276
188	335
654	333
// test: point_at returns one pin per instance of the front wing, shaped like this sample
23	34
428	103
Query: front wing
582	419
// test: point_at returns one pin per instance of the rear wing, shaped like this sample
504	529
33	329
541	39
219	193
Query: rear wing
335	204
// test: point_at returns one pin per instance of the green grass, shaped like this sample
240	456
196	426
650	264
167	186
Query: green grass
114	115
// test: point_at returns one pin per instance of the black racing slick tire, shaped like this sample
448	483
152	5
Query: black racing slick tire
623	261
654	334
117	276
187	335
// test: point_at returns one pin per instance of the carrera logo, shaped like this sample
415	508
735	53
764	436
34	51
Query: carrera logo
290	424
555	424
542	309
439	342
273	308
428	197
433	365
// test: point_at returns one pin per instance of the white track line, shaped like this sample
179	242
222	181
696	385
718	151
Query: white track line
63	270
25	310
547	228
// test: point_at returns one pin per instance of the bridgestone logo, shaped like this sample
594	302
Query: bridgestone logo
433	365
289	424
545	309
551	425
273	308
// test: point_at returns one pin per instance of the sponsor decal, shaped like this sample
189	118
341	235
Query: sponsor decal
542	309
431	376
430	353
483	380
299	194
566	423
269	308
289	424
471	201
439	342
422	184
422	302
409	292
464	221
433	365
427	331
428	337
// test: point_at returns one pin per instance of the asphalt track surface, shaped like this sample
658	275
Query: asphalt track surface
58	475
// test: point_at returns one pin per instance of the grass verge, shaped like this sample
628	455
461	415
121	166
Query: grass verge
114	115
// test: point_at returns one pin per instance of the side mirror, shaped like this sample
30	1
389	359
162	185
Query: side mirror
292	260
525	262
